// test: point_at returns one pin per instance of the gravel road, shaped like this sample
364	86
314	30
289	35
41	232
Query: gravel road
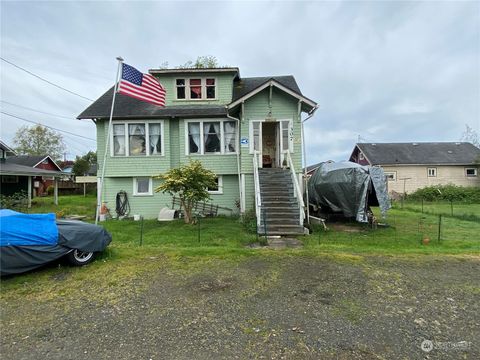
266	307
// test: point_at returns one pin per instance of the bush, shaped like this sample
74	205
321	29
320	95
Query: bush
14	201
447	192
50	190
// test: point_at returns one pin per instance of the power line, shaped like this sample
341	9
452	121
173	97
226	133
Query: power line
39	77
50	127
38	111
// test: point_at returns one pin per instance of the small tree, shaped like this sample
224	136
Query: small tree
39	140
190	183
81	166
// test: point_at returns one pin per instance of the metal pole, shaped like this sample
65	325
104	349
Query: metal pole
198	226
141	231
101	198
439	226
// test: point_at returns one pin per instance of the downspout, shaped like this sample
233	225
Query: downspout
310	114
242	210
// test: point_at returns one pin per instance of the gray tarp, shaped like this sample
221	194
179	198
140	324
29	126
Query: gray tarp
72	234
349	188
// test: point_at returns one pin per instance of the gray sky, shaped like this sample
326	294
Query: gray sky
387	71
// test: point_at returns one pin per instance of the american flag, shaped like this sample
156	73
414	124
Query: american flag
141	86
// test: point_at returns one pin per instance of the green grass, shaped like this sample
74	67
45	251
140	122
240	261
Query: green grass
226	236
460	210
67	205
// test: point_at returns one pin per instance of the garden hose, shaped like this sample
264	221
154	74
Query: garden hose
122	207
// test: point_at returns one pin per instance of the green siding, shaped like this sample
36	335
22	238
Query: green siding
150	206
174	144
224	88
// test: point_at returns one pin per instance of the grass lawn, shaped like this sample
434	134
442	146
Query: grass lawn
226	236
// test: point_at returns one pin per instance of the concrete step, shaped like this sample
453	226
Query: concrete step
282	230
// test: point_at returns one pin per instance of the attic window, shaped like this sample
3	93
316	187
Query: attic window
196	88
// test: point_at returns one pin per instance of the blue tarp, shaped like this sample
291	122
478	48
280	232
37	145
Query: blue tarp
18	229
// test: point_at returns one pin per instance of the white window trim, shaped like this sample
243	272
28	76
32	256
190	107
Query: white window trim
475	170
220	186
222	137
203	85
147	138
135	187
434	172
290	135
394	173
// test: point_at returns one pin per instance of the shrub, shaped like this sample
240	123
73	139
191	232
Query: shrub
50	190
14	201
249	221
447	192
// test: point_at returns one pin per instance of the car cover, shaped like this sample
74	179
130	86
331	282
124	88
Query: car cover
31	240
349	188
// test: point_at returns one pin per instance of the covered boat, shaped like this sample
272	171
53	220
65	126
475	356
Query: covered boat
349	188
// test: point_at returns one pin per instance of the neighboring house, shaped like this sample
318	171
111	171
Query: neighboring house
410	166
211	115
15	177
42	162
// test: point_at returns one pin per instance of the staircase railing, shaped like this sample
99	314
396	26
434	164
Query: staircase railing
258	198
297	192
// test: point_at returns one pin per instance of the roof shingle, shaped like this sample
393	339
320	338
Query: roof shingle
427	153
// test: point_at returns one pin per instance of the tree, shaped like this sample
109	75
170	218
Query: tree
190	183
82	163
471	136
38	140
80	166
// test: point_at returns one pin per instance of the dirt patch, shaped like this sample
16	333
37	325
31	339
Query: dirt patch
275	307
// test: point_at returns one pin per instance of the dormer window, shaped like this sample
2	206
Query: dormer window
196	88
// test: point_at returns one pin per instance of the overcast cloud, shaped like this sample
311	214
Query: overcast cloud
385	71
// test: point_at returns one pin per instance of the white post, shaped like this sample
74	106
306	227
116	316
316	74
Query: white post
29	189
100	198
55	191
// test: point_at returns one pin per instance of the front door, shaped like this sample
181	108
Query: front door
270	152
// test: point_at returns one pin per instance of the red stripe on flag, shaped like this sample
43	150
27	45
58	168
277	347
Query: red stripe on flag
142	98
127	86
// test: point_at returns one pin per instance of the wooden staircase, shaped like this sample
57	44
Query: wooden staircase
280	210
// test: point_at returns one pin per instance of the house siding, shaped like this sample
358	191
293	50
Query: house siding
446	174
224	88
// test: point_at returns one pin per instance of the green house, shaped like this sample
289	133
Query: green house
246	130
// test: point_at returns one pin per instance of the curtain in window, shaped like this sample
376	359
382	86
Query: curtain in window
194	137
119	139
136	134
230	138
211	134
155	141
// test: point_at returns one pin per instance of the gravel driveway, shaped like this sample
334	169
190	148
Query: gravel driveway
266	306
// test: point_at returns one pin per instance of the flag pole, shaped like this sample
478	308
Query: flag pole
100	197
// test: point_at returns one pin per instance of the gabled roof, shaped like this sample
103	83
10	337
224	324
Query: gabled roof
248	87
30	160
22	170
129	108
427	153
6	148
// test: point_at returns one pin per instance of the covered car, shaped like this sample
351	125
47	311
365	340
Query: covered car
28	241
349	188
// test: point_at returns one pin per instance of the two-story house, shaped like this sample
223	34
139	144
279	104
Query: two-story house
246	130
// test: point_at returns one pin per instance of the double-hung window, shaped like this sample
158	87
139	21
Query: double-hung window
196	88
137	138
471	172
218	188
211	137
